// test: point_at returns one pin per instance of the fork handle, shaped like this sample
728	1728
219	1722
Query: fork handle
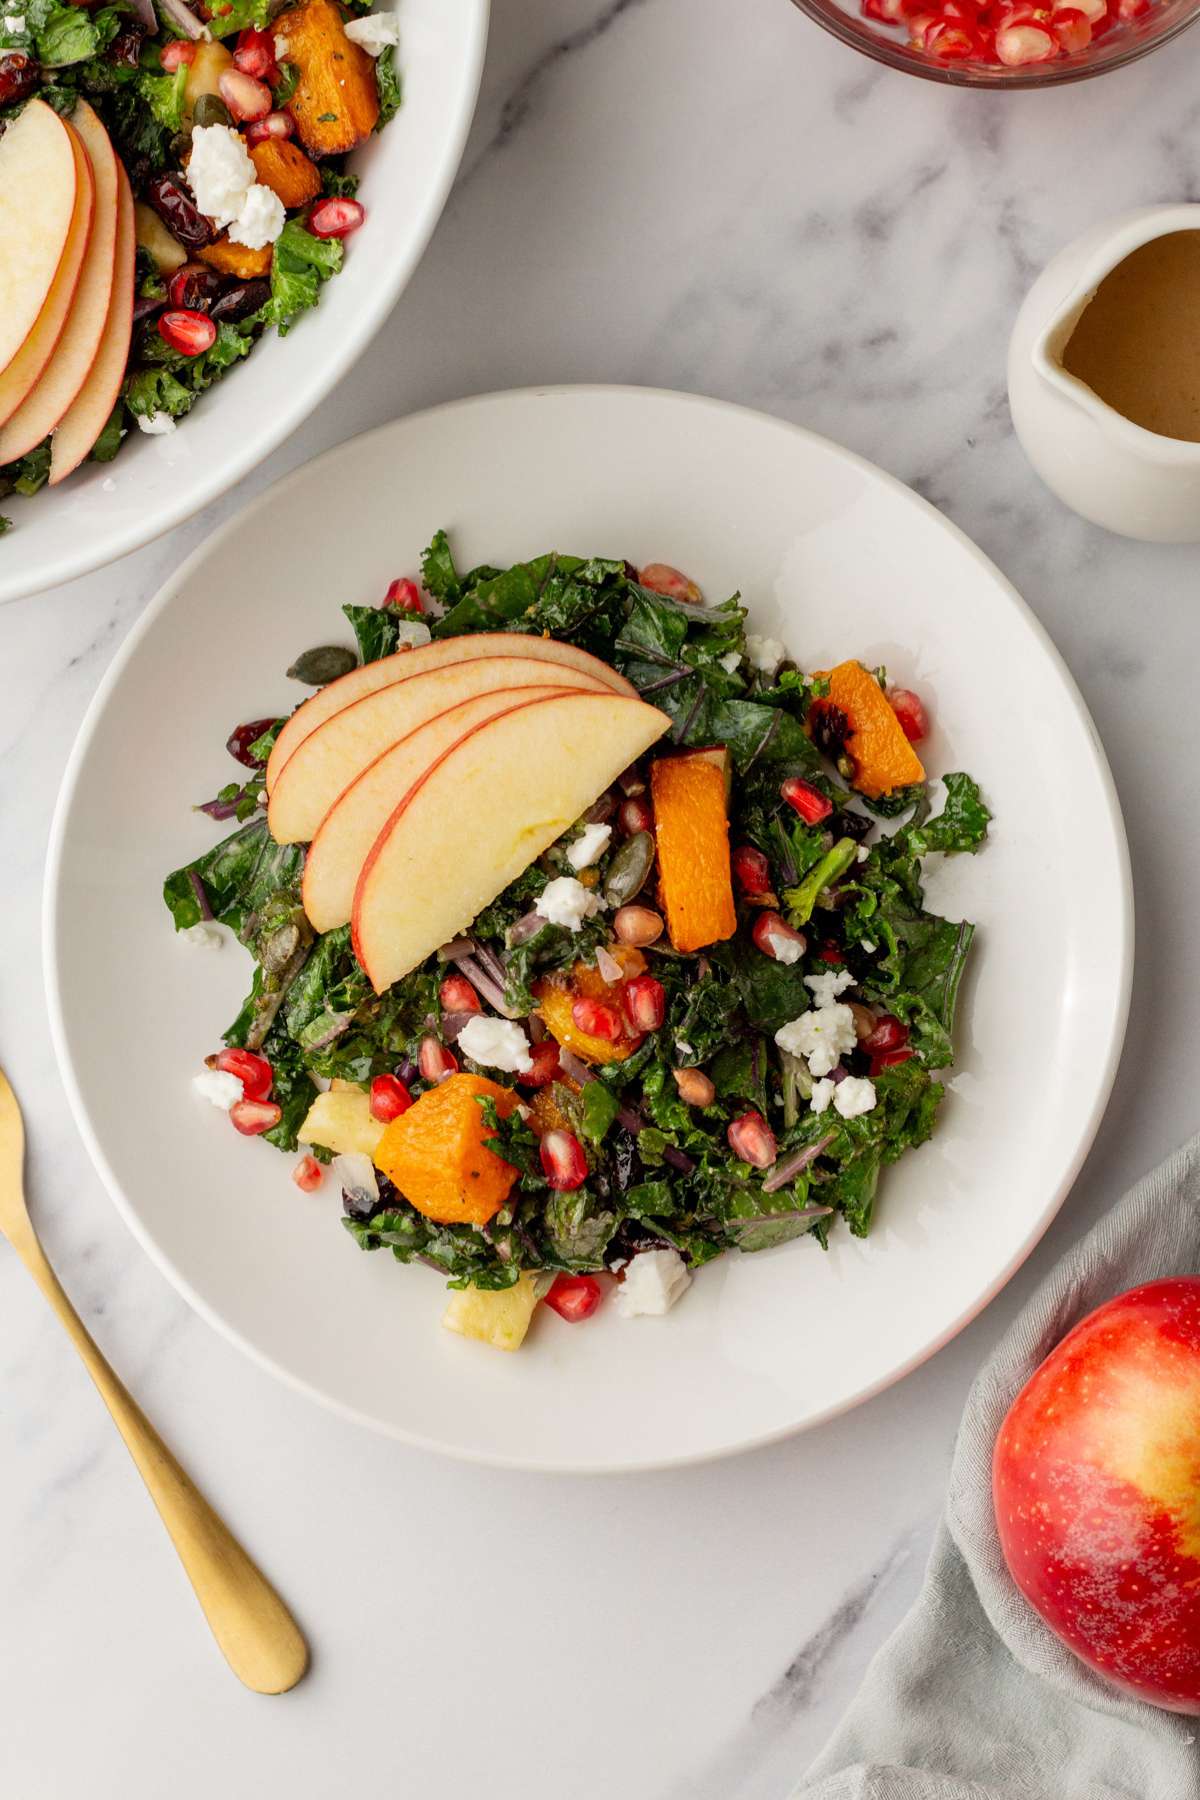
257	1635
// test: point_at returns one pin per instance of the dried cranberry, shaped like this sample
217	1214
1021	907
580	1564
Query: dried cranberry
239	301
126	48
20	73
179	212
830	728
194	286
239	741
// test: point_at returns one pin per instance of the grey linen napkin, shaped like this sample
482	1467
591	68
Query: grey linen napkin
973	1698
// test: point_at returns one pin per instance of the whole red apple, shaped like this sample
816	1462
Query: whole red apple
1096	1482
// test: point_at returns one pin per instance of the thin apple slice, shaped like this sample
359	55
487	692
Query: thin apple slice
89	412
343	842
335	755
38	182
78	348
26	367
407	663
481	814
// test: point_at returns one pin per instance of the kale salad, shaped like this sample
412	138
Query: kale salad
704	1018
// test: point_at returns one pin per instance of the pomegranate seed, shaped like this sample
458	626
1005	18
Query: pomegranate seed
1074	32
908	707
951	41
253	1117
194	287
645	1003
545	1065
274	125
775	938
695	1089
1132	9
435	1061
575	1297
751	870
597	1019
389	1098
190	333
919	27
634	815
563	1162
239	741
889	1059
335	218
890	11
661	578
254	1072
864	1020
637	925
405	595
831	953
1018	44
308	1174
889	1034
1093	11
245	97
806	800
255	53
752	1140
173	56
457	995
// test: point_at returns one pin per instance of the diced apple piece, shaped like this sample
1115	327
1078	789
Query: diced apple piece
38	183
406	663
153	237
328	761
341	1121
343	841
26	367
79	346
204	77
499	1317
88	414
482	813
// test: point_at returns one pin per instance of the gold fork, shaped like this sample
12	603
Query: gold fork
257	1635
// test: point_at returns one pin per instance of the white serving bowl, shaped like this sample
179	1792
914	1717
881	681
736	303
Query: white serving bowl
108	509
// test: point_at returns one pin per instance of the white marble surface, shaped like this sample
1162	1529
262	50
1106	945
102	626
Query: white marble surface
705	194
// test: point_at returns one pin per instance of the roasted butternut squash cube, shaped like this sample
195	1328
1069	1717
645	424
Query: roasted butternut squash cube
336	100
437	1152
237	259
283	167
883	758
556	996
691	826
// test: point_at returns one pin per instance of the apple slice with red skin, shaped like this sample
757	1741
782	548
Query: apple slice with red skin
346	834
89	413
39	180
335	755
481	813
407	663
77	349
27	366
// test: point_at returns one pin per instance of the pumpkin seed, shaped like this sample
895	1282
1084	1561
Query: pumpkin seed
210	109
629	869
317	668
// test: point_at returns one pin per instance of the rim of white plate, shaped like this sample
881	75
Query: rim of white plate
1106	1075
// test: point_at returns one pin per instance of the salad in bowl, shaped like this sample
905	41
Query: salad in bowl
589	935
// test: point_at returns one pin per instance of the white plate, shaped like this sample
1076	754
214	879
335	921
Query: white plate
108	509
839	560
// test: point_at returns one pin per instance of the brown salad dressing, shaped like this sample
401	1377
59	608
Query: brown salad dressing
1137	342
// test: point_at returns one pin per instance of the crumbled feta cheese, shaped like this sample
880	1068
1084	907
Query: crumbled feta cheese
497	1043
282	46
854	1094
14	21
822	1094
653	1283
155	424
787	949
220	1088
828	985
861	854
411	634
220	172
589	846
260	219
764	653
821	1036
374	34
731	662
683	1049
869	945
566	901
203	937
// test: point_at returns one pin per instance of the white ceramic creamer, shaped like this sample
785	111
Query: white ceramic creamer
1098	462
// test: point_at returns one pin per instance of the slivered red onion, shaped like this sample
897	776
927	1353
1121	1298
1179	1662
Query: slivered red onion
185	19
485	987
146	15
570	1065
490	961
452	1024
791	1166
198	888
537	1028
678	1159
603	809
838	1075
406	1071
607	965
526	927
459	946
631	1120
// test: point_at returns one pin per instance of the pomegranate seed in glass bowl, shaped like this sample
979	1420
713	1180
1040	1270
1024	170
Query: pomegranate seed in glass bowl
1003	43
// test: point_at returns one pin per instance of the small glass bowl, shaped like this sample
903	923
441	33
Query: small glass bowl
886	44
